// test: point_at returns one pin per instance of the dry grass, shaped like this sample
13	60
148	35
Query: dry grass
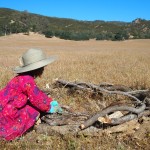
125	62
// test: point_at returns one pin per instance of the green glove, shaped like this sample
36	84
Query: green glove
55	108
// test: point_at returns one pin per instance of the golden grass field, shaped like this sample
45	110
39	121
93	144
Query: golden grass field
119	62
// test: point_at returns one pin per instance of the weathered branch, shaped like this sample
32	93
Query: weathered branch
138	92
71	84
118	88
117	92
116	121
64	119
92	87
109	110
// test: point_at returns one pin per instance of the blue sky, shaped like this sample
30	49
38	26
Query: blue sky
90	10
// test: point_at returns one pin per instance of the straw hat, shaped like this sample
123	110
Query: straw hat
33	59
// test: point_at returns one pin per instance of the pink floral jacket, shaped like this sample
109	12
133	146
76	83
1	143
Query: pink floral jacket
20	103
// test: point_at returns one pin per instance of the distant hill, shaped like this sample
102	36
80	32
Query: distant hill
12	21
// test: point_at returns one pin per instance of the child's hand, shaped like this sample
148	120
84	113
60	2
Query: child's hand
55	108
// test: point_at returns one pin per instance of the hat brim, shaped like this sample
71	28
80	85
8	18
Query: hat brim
36	65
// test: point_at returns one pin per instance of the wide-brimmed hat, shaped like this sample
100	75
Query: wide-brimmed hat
33	59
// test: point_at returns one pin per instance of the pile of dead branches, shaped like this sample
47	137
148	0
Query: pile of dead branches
141	102
112	115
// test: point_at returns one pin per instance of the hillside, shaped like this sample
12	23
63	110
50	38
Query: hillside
12	21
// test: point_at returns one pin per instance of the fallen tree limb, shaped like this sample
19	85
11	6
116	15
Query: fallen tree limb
71	84
117	92
116	121
66	118
117	88
109	110
93	87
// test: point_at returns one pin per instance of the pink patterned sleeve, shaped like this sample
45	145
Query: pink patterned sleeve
37	97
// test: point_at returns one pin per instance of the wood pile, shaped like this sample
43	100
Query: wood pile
118	117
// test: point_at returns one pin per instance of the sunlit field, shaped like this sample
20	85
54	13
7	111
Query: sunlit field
120	62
